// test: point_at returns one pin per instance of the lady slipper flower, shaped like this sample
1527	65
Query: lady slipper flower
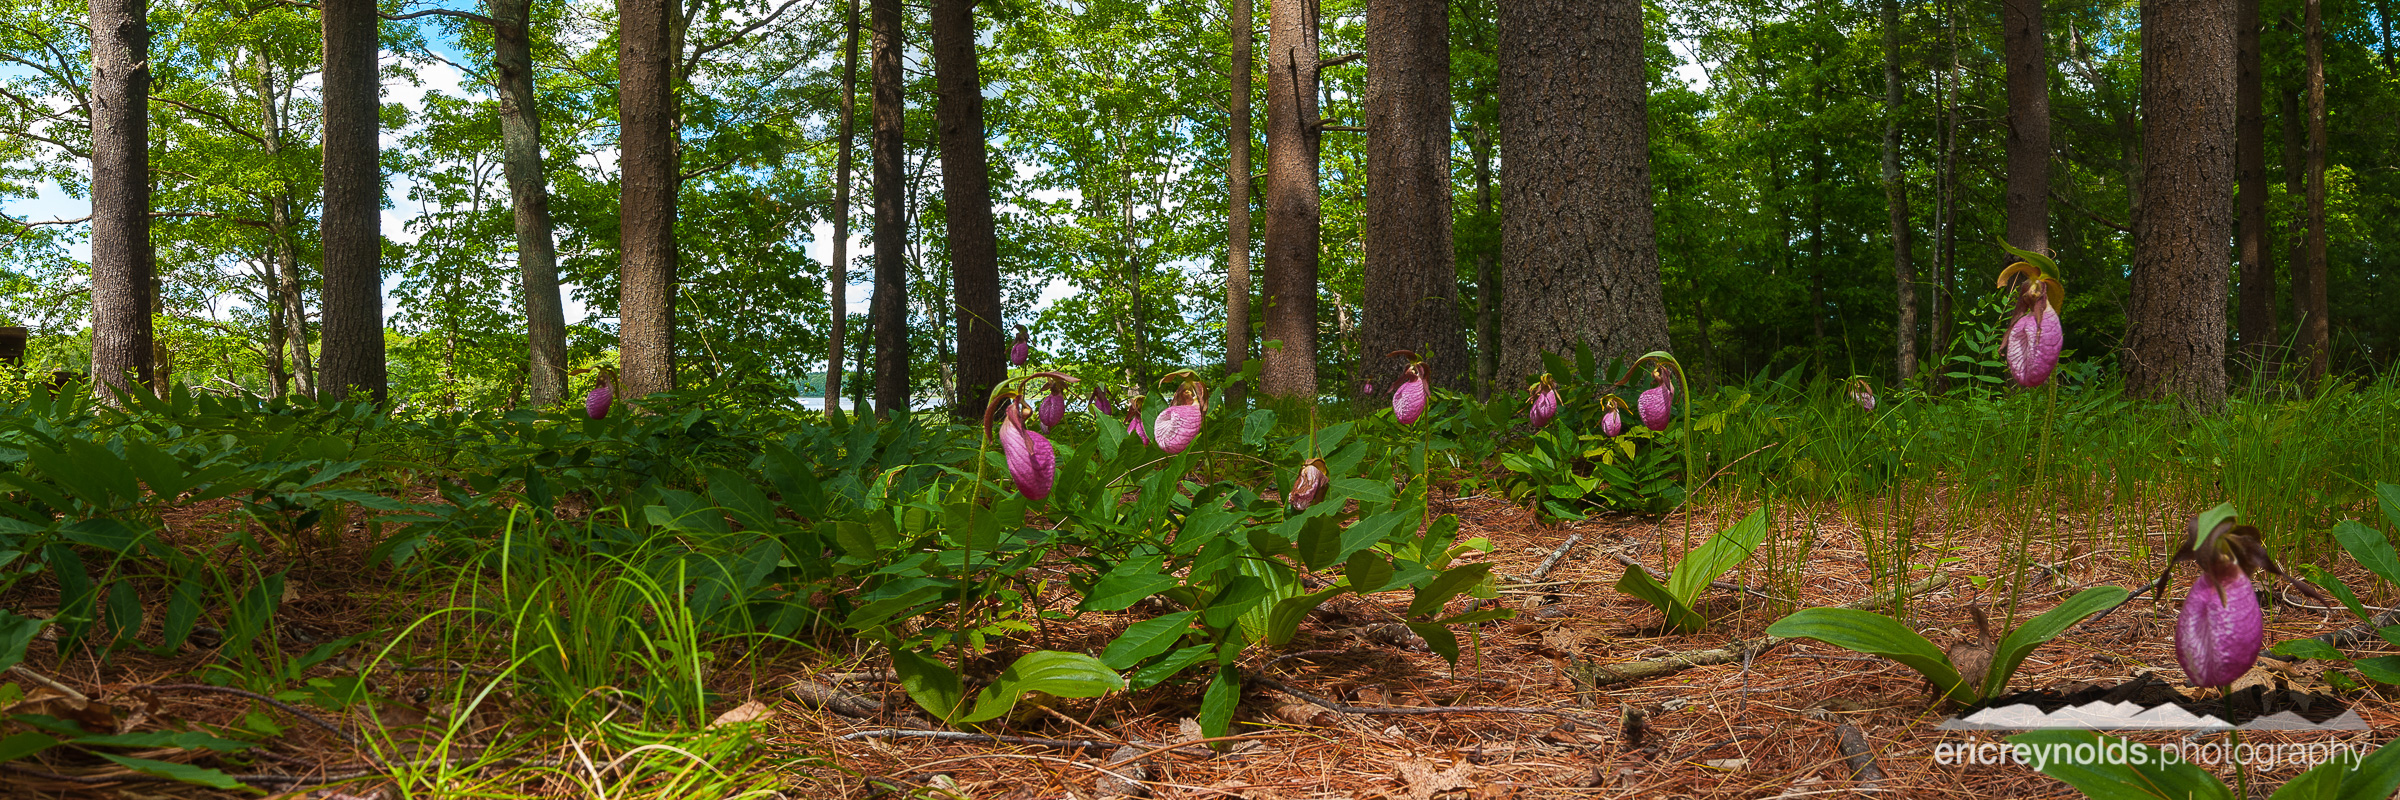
1862	394
1133	417
1180	422
1658	403
1020	352
1545	402
1053	409
2219	632
595	404
1310	486
2035	334
1612	421
1409	395
1031	462
1101	402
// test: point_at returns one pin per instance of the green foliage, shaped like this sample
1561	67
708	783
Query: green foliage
2372	549
1878	635
1722	552
2128	770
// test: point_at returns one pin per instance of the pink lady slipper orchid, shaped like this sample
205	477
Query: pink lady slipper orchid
1310	486
1053	409
1021	351
1031	462
595	405
2219	632
1133	416
1544	406
1612	419
1101	402
2035	333
1180	422
1658	402
1862	394
1410	394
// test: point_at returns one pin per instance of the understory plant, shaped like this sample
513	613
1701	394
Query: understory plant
2373	550
2111	768
1878	635
1722	552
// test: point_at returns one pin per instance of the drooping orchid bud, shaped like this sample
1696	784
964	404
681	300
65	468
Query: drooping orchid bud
1612	418
1133	416
1021	351
1101	402
1054	406
595	404
1410	394
1310	486
2218	634
2035	333
1180	422
1862	394
1658	402
1544	406
1031	462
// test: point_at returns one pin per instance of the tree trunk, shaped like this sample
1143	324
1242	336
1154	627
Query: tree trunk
2175	342
121	278
2026	43
1487	282
2315	321
1895	192
1291	201
837	284
529	199
1581	257
1410	287
967	197
646	201
352	357
890	306
2252	240
1237	195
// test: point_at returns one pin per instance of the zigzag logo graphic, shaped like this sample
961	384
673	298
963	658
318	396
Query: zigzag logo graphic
2106	716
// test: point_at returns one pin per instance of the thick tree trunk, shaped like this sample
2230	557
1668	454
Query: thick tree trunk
967	196
2175	342
529	201
1237	194
2252	242
837	284
1487	281
2316	330
890	306
1580	257
646	201
1895	192
122	341
352	350
1410	289
1291	201
2026	43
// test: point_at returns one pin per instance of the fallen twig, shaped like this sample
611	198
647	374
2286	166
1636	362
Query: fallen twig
1346	708
201	688
1856	752
20	671
1597	675
2347	636
1085	745
1539	572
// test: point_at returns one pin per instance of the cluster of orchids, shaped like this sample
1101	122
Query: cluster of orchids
1033	463
2035	333
1655	405
2218	635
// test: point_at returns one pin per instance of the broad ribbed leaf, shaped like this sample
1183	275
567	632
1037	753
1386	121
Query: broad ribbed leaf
1878	635
1719	555
1680	616
2020	643
1049	672
2112	778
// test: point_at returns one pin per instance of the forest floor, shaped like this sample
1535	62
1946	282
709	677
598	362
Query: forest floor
1765	727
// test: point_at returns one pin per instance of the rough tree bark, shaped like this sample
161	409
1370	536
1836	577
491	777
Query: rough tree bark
837	283
1895	192
2308	275
967	196
1487	282
1291	200
1237	194
1410	288
2175	342
2026	42
646	198
890	306
120	108
1579	253
291	315
2253	242
529	201
351	356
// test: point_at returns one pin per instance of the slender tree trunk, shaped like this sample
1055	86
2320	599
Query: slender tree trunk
1239	19
289	318
1895	192
967	196
352	357
1410	288
1487	281
890	306
2316	331
1291	201
2026	43
2175	342
1945	210
2252	245
122	340
837	284
1579	245
529	200
646	204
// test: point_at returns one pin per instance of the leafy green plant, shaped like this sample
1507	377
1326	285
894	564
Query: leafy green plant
2121	769
2373	550
1878	635
1717	556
